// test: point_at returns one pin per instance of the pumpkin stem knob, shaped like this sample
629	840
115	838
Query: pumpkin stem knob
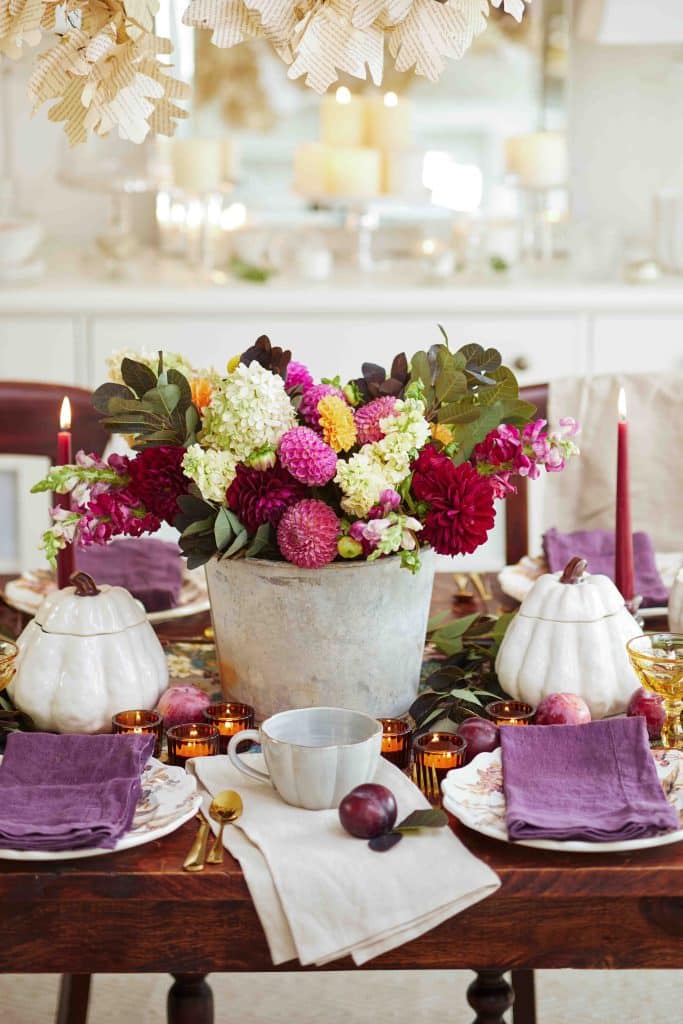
84	584
574	570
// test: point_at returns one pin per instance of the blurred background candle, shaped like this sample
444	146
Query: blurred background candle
230	718
623	566
389	122
537	159
140	722
510	712
192	740
65	557
353	172
197	164
342	118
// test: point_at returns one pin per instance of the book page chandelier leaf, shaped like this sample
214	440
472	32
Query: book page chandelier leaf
105	71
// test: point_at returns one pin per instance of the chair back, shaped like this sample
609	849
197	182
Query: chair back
29	419
517	505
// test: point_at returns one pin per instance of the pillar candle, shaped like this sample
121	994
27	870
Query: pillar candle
538	159
623	566
65	557
353	172
197	164
342	119
389	122
310	162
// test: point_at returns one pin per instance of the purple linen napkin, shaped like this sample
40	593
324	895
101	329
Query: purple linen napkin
69	792
151	569
598	548
594	782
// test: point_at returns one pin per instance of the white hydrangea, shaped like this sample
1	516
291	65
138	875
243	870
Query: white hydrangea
248	410
362	480
211	470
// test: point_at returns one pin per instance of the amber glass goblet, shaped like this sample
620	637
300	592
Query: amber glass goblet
658	661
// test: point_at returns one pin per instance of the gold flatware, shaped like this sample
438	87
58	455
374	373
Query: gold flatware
225	808
464	593
481	588
197	855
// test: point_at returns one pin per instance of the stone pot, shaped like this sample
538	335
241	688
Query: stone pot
349	635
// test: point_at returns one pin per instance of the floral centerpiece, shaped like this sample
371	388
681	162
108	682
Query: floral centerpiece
263	464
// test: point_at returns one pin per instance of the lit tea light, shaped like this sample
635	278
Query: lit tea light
510	712
436	753
191	740
230	718
396	741
139	721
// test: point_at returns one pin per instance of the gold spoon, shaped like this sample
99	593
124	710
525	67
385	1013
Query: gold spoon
197	855
225	808
464	593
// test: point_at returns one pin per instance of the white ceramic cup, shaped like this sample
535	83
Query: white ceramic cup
315	756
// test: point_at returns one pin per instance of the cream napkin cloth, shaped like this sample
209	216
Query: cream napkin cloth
320	893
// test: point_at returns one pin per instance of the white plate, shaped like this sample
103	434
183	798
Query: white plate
474	795
169	799
516	580
26	593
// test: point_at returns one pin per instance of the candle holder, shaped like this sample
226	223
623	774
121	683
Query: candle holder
436	753
140	722
397	738
230	718
198	739
657	659
510	712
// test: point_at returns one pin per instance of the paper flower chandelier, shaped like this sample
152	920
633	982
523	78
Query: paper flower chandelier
104	72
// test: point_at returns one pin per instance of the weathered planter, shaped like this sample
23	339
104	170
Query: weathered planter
350	635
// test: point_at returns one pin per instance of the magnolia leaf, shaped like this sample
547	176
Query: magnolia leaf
192	421
454	629
432	818
423	705
180	381
106	392
129	405
380	844
162	399
467	695
138	376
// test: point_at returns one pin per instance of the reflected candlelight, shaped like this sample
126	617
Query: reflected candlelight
191	740
396	741
230	718
140	721
510	712
436	753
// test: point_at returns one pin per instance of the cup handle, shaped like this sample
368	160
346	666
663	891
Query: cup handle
246	769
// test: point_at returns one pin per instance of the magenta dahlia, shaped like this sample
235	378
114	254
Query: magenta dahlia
368	416
308	409
307	457
261	496
298	375
157	479
307	534
460	503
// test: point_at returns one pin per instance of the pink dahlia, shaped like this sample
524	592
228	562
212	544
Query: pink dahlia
307	457
157	478
368	417
307	534
298	376
460	503
308	409
261	496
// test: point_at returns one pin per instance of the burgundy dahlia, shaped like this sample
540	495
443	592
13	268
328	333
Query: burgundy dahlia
157	479
461	511
261	496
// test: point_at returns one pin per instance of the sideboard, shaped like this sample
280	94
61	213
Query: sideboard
63	329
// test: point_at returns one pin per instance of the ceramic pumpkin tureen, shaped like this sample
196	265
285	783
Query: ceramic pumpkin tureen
570	636
89	653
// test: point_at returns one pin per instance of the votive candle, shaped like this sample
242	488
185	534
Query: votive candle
510	712
436	753
197	739
140	721
396	741
230	718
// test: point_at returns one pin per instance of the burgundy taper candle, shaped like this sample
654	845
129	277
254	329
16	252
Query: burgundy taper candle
623	562
65	558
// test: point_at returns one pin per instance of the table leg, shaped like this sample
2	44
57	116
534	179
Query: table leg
524	1011
74	993
491	996
190	1000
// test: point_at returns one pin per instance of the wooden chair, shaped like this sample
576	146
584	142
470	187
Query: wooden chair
29	420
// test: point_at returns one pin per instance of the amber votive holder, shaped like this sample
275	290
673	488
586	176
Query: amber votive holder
195	739
435	754
229	718
140	722
510	712
397	737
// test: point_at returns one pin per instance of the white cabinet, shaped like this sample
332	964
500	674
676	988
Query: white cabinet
39	348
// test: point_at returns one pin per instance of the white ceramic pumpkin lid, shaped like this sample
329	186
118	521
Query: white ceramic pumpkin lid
572	596
87	610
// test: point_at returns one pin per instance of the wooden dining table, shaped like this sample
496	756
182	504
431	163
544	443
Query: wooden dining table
137	911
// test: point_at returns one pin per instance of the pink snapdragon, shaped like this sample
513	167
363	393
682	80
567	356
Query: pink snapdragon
507	451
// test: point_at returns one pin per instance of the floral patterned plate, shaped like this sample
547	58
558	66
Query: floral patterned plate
474	795
169	798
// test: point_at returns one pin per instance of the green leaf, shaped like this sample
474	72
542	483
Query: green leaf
194	506
223	531
432	818
467	695
436	620
179	380
195	560
239	542
518	412
199	526
380	844
260	540
192	422
105	392
453	629
162	399
234	521
450	383
137	376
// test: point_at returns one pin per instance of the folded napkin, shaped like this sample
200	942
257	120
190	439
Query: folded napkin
598	548
69	792
595	782
320	893
151	569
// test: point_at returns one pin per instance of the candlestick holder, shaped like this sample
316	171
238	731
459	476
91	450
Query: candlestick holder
133	722
436	753
510	712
